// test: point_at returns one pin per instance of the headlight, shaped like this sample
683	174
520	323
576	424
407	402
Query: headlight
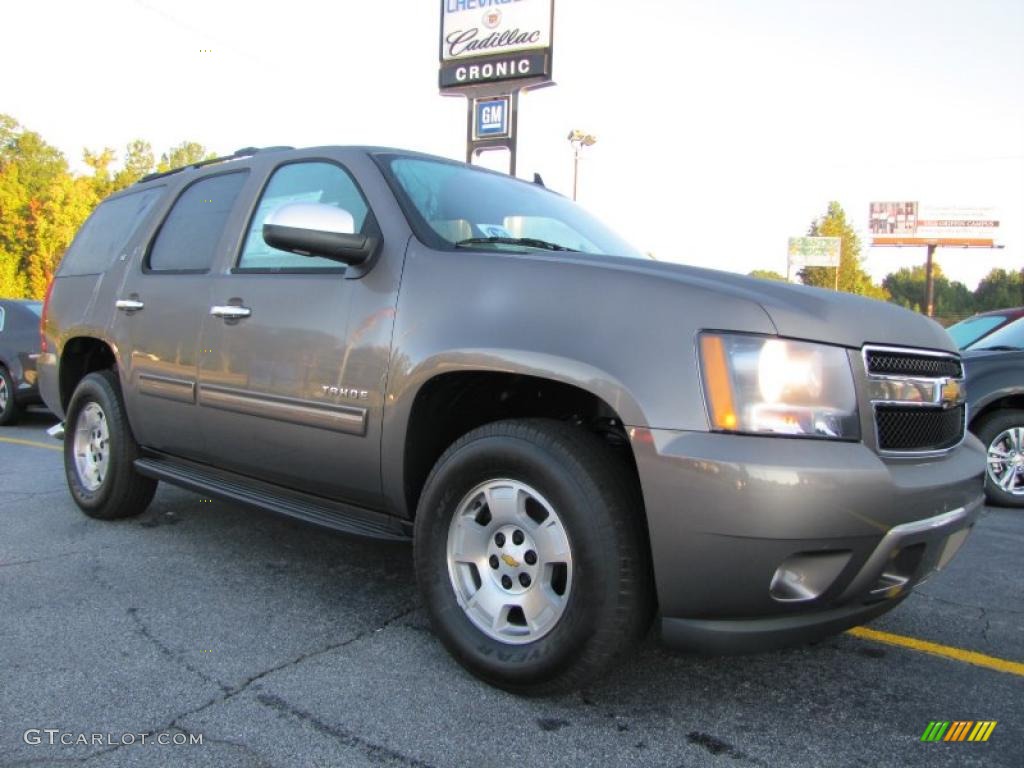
768	385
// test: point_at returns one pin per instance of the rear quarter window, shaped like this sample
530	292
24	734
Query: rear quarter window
106	232
189	236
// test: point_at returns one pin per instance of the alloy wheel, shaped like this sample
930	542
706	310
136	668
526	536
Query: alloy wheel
510	561
92	446
1006	461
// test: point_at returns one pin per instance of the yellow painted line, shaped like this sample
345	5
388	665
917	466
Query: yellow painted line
945	651
31	443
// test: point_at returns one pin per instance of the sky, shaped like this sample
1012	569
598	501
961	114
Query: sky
723	127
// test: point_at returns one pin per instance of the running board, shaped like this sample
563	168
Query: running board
335	515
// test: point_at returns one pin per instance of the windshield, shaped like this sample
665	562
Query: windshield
973	328
454	205
1010	336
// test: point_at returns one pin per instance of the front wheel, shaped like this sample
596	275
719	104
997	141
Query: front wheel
530	555
100	451
1002	432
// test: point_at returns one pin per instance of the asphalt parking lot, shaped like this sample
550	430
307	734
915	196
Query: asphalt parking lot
282	645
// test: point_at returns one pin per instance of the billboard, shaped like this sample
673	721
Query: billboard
492	41
814	252
915	223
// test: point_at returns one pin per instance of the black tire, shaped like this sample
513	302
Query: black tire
121	492
597	499
11	411
988	428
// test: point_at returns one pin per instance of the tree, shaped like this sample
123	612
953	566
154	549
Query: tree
31	171
186	153
767	274
953	299
42	204
999	289
852	277
138	162
102	179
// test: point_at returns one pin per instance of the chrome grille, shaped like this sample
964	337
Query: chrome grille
893	363
918	399
903	428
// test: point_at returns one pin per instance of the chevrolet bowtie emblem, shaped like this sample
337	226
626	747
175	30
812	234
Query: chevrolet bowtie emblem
952	392
510	561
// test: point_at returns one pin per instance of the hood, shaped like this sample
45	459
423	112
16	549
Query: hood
999	355
814	314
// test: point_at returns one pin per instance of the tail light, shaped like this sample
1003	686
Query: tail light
42	318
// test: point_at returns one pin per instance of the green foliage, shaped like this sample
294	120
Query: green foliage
1000	289
186	153
767	274
42	204
138	162
852	277
953	299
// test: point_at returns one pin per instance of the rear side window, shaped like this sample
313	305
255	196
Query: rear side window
106	232
188	238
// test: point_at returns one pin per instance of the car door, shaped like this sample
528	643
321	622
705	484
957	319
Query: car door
162	303
294	352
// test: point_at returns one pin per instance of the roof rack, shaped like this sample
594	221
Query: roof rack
238	153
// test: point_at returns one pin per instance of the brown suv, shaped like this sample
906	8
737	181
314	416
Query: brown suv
575	437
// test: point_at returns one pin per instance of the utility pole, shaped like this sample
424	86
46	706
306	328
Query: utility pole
578	139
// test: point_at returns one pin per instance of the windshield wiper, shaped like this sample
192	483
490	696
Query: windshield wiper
1001	348
529	242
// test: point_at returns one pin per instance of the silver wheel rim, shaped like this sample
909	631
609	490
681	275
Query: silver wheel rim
509	561
3	394
1006	461
92	447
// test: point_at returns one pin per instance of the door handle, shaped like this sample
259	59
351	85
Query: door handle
230	312
129	305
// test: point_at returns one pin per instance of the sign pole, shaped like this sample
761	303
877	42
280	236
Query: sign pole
929	282
490	53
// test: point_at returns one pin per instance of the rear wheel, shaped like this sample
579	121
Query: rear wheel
530	555
100	451
1002	432
9	408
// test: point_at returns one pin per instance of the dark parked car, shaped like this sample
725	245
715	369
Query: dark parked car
995	388
573	436
19	349
974	328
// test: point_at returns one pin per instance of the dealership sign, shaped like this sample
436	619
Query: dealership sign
491	117
492	41
914	223
814	251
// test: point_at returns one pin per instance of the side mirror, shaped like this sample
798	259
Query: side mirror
315	229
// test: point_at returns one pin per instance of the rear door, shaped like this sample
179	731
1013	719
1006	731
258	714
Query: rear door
161	307
295	351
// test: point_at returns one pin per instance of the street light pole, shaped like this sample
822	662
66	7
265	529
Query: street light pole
578	139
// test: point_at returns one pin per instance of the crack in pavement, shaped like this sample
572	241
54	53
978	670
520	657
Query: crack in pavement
347	738
60	556
232	692
964	605
174	656
261	761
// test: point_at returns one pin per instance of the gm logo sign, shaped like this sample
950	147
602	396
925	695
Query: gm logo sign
491	117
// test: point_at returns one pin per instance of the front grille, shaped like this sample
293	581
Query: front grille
909	428
887	363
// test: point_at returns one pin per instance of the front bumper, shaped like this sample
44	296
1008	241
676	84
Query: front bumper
761	542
